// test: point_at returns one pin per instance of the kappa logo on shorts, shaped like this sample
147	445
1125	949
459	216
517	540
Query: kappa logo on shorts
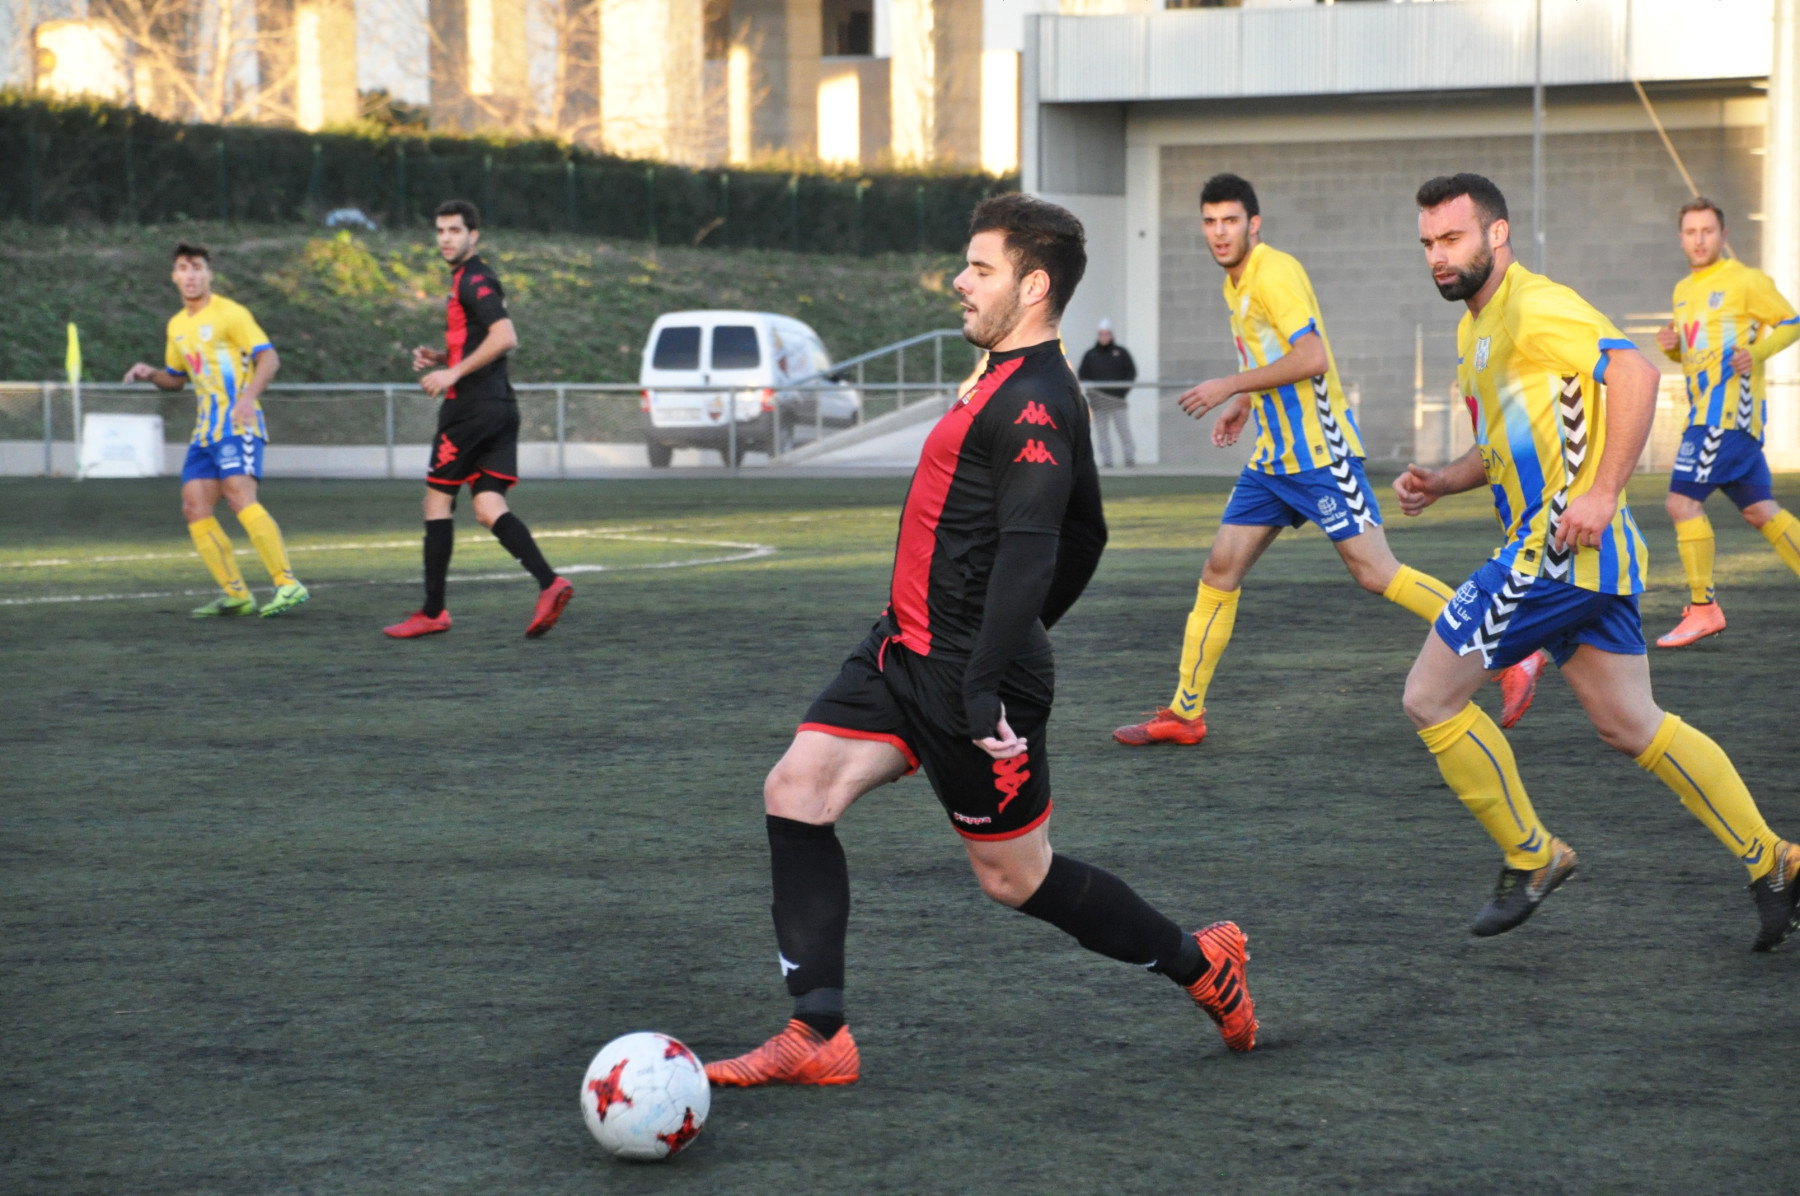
1034	413
971	820
1010	776
446	452
1035	453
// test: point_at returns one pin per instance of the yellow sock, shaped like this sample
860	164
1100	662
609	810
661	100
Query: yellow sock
1420	593
1208	631
1478	764
215	549
1694	540
1701	774
266	535
1783	535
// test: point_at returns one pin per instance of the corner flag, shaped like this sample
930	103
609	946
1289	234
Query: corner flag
72	363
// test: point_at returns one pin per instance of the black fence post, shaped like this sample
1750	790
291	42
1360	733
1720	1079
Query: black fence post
794	212
860	187
650	202
919	218
315	182
569	192
724	208
487	185
223	181
130	172
401	215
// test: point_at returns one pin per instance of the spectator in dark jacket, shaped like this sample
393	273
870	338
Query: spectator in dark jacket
1109	361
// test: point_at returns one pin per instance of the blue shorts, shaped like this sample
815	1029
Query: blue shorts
1507	618
1721	459
1336	498
231	457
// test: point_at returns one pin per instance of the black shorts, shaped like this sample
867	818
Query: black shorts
477	442
892	695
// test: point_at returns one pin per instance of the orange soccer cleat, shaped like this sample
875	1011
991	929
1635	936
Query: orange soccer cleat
1697	622
797	1055
1224	992
417	624
550	603
1518	685
1165	726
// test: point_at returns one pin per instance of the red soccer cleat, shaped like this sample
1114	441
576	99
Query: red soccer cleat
1224	992
417	624
1165	726
1697	622
797	1055
550	605
1518	685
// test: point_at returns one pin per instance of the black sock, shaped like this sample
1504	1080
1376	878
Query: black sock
812	915
515	537
440	539
1104	915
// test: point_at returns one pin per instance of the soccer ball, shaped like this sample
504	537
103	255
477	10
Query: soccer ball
645	1096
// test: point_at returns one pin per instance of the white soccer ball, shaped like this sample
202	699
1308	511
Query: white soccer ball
645	1096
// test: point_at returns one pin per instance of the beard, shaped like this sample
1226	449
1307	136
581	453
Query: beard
985	329
1470	278
1233	256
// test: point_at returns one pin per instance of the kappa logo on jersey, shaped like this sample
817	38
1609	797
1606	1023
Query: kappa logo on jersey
1034	413
1035	453
446	452
1010	776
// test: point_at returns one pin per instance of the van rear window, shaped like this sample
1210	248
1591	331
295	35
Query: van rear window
677	348
735	348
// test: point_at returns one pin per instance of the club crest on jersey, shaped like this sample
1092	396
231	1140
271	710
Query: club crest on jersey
1035	453
1034	413
1481	352
206	332
1716	300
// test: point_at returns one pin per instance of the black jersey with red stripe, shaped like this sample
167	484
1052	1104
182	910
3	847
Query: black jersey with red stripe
475	305
1003	523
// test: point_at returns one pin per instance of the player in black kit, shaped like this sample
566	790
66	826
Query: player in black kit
1001	530
477	440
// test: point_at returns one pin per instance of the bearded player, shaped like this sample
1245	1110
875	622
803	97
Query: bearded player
1556	450
1001	530
1729	320
218	346
477	442
1307	465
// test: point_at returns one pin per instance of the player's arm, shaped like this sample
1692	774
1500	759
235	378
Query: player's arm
1780	322
161	376
1628	407
1079	545
267	364
1305	358
1418	488
500	339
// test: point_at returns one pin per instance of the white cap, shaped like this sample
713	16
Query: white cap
1105	326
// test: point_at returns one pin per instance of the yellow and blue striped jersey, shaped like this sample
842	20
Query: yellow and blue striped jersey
1717	309
1272	306
214	348
1531	366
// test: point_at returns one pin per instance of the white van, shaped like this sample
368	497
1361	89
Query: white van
751	358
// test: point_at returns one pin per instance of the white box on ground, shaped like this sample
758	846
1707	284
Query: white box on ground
121	446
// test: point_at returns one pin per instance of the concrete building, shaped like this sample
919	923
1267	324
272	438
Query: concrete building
306	60
480	78
1336	113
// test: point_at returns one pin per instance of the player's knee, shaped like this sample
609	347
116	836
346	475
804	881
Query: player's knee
1005	886
793	792
1628	732
1369	577
1757	514
194	509
1422	706
1680	507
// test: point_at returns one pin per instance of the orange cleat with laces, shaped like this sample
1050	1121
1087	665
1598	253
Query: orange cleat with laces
1698	621
417	624
797	1055
1224	992
1518	685
1165	726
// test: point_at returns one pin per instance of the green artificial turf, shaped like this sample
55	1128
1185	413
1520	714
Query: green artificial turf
286	907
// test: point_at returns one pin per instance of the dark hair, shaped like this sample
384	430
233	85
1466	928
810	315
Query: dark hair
189	249
1701	204
1490	205
1229	188
471	215
1039	236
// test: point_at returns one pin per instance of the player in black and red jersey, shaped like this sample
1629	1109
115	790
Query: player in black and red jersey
1001	530
477	439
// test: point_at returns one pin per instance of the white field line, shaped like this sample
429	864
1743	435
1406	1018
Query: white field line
596	533
747	552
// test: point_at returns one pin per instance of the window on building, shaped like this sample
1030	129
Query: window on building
849	27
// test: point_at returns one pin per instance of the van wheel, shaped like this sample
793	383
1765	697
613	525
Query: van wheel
660	454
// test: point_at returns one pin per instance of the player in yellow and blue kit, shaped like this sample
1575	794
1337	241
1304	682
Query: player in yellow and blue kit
1729	320
217	345
1556	451
1307	465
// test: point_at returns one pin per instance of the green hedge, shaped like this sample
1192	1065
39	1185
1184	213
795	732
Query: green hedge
75	162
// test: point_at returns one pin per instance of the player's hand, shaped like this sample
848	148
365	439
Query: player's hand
1668	338
1230	424
1417	489
425	359
1742	362
141	372
1006	744
437	382
1204	397
1587	519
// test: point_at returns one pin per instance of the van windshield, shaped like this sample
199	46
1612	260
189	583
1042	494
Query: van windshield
677	348
735	347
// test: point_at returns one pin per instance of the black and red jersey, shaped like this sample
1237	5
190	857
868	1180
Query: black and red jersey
1003	523
476	304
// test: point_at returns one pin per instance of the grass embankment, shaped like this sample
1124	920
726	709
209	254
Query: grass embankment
348	308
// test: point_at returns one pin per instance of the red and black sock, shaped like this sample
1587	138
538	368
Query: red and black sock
1104	914
440	540
515	537
811	882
